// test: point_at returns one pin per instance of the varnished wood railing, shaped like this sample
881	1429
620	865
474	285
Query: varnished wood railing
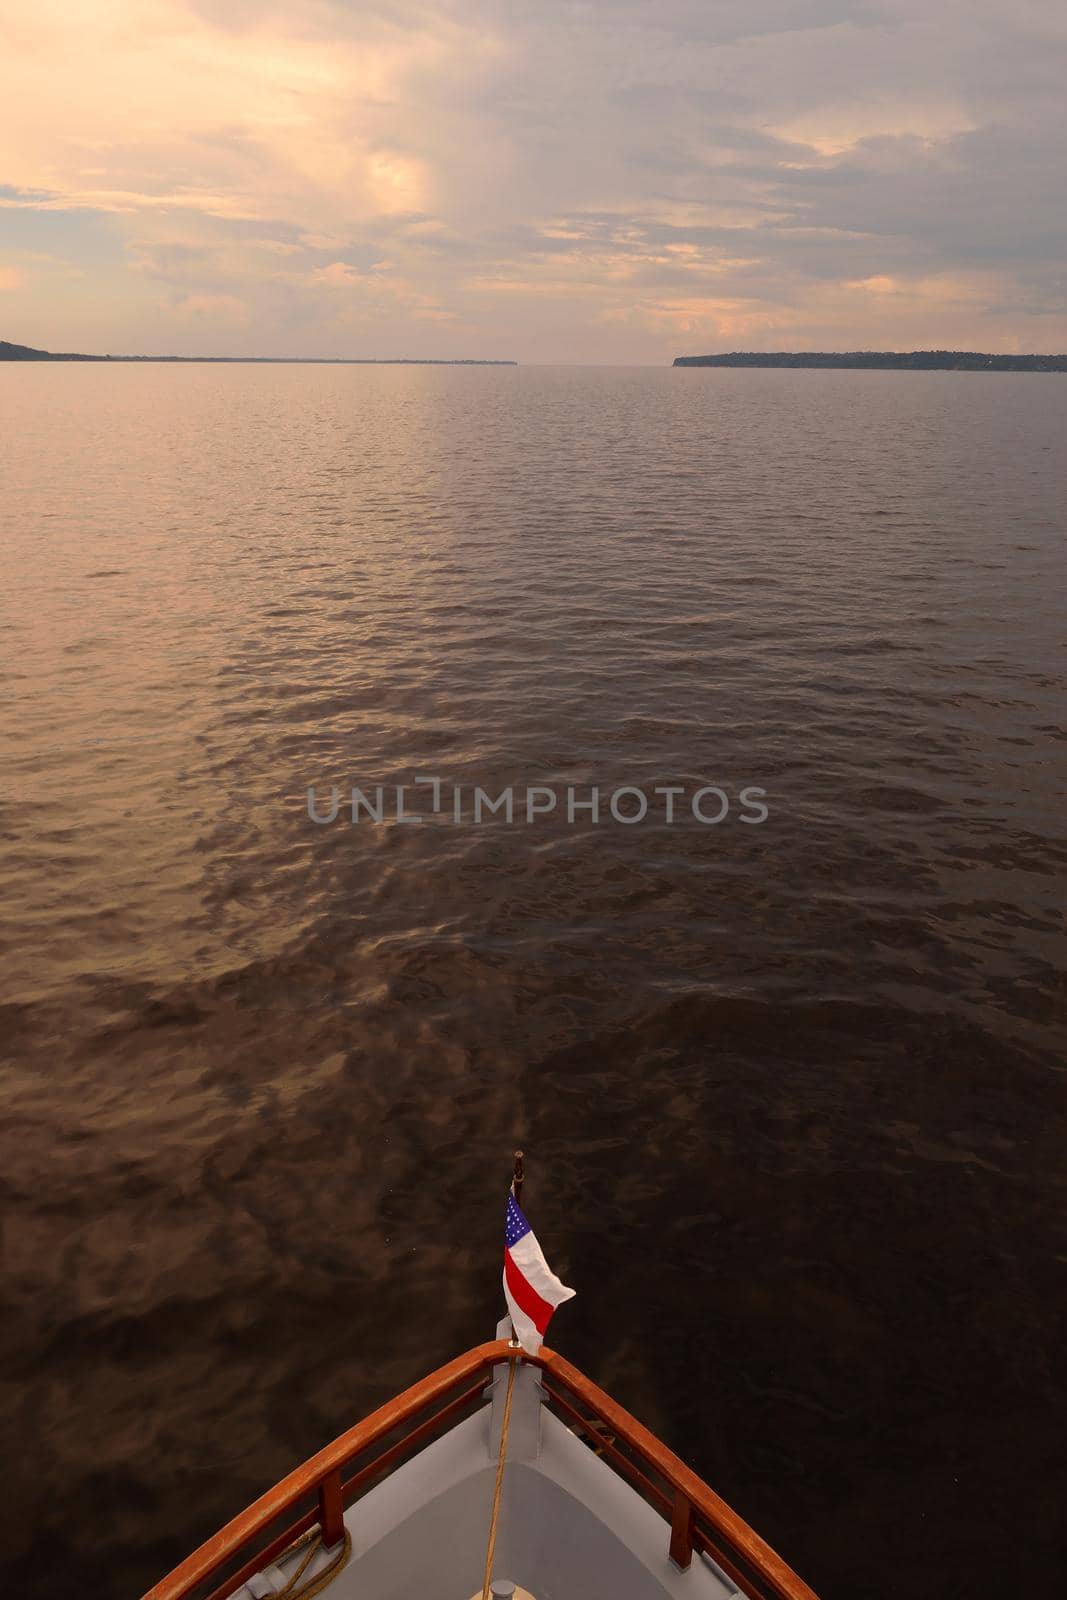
443	1394
698	1518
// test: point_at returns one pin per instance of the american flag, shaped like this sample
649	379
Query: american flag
531	1288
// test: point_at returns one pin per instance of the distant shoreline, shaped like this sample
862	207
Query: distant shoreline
880	360
25	352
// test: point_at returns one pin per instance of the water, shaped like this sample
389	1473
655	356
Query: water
791	1092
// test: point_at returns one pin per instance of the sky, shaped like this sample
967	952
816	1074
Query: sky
604	181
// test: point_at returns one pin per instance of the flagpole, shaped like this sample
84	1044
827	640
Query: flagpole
518	1175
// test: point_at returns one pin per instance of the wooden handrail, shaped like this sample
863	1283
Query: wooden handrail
736	1533
691	1502
232	1539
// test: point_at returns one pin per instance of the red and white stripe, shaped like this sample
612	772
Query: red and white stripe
532	1291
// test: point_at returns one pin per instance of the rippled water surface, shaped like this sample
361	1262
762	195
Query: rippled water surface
791	1093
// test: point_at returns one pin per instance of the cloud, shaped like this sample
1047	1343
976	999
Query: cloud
609	180
213	307
338	275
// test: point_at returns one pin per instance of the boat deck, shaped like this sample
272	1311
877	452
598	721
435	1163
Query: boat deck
591	1504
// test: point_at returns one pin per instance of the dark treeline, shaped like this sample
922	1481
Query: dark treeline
895	360
25	352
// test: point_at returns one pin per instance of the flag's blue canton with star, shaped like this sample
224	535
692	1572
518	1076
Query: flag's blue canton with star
515	1224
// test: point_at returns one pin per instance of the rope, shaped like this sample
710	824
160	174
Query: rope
313	1540
512	1364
